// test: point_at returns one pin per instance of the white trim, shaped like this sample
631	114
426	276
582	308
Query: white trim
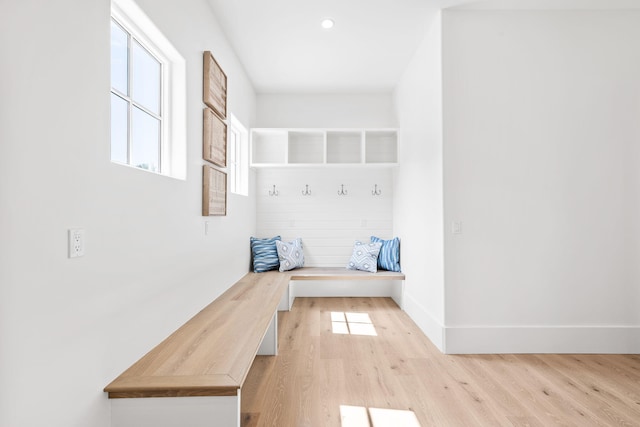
543	339
433	329
523	339
129	14
240	170
173	150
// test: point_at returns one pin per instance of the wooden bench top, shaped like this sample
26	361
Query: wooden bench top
337	273
212	353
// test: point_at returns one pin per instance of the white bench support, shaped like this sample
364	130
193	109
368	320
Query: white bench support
269	345
347	288
193	411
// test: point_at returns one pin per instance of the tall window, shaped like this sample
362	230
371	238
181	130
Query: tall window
136	107
147	94
238	158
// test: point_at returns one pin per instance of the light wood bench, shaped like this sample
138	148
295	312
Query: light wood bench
208	358
197	373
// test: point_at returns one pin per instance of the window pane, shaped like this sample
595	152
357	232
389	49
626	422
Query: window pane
145	141
119	112
146	79
119	61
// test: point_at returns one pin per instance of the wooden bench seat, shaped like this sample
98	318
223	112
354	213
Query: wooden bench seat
212	353
197	372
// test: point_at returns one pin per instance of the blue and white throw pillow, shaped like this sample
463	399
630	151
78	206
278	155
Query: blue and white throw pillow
290	254
265	254
389	256
365	257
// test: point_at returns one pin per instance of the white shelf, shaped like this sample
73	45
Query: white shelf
344	147
381	147
269	147
306	147
323	147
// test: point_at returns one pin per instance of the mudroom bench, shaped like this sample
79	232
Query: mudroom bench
340	282
195	376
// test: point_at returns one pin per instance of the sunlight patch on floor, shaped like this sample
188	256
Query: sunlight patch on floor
359	416
393	418
354	416
352	323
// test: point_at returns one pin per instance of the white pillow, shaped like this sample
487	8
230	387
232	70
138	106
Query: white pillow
290	254
365	256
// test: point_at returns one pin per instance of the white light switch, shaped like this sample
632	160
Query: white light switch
456	227
76	242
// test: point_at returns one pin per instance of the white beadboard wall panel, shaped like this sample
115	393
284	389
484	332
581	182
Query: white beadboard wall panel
328	223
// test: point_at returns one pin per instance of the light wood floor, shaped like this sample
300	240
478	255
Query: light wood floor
317	372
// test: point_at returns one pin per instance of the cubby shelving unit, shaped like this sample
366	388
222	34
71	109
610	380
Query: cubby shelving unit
270	146
323	147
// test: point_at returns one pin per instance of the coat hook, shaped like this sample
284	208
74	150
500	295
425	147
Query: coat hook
342	191
375	191
274	192
306	191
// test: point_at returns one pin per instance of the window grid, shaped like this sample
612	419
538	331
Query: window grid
131	103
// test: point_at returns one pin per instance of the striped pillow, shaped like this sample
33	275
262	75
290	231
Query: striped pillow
389	257
265	254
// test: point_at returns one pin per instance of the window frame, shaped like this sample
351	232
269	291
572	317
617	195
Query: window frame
172	128
238	156
132	103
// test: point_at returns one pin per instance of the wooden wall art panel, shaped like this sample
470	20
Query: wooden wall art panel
214	139
214	86
214	192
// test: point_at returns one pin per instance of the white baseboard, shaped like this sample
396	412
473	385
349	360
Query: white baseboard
433	329
549	339
523	339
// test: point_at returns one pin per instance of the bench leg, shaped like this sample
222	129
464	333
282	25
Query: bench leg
196	411
398	294
269	345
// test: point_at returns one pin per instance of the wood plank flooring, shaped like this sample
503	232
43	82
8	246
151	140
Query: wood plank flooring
324	379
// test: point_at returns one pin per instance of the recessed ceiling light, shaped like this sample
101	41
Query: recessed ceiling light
327	23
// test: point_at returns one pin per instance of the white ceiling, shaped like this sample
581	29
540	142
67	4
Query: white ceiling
284	49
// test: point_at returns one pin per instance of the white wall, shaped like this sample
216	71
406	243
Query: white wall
418	184
69	326
329	224
541	165
357	110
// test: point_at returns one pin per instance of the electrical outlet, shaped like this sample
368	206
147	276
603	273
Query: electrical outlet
76	242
